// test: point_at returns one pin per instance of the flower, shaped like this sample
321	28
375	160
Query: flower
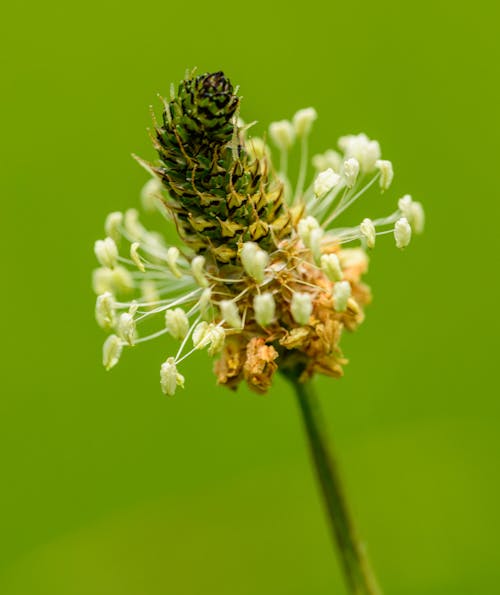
263	277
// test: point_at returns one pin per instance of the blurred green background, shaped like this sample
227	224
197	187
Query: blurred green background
108	487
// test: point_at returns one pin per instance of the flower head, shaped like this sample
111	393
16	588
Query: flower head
263	278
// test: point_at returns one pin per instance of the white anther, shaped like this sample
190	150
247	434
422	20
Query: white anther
368	231
301	307
341	294
170	379
264	308
177	323
330	265
106	252
111	351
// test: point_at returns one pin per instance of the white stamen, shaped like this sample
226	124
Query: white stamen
325	181
177	323
368	231
112	225
331	267
303	121
301	307
230	313
386	173
402	233
170	379
341	294
351	171
111	351
264	308
106	252
282	134
134	255
105	310
197	269
254	260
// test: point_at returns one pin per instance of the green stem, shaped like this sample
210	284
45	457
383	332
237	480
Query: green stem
358	574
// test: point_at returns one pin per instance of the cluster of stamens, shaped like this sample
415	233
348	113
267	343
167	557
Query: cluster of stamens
267	309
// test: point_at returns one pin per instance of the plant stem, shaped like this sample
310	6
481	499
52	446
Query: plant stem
358	574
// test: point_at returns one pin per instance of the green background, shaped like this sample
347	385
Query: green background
108	487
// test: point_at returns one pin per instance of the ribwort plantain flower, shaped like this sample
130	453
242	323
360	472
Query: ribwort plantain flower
263	278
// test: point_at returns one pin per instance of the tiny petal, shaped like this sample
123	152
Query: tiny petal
282	134
106	252
341	295
265	308
330	265
111	351
230	313
402	233
368	231
177	323
303	121
170	379
301	307
325	181
351	171
105	310
386	173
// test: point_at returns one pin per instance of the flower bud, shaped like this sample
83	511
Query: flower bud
113	224
402	233
177	323
341	295
134	255
325	181
330	265
230	313
282	134
172	257
351	171
369	232
111	351
106	252
303	120
264	308
197	269
254	261
301	307
105	310
170	379
386	173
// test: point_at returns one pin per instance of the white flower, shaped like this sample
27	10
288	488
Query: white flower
325	181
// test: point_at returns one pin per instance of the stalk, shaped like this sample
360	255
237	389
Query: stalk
357	571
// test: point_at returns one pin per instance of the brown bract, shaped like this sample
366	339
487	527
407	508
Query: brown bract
255	353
